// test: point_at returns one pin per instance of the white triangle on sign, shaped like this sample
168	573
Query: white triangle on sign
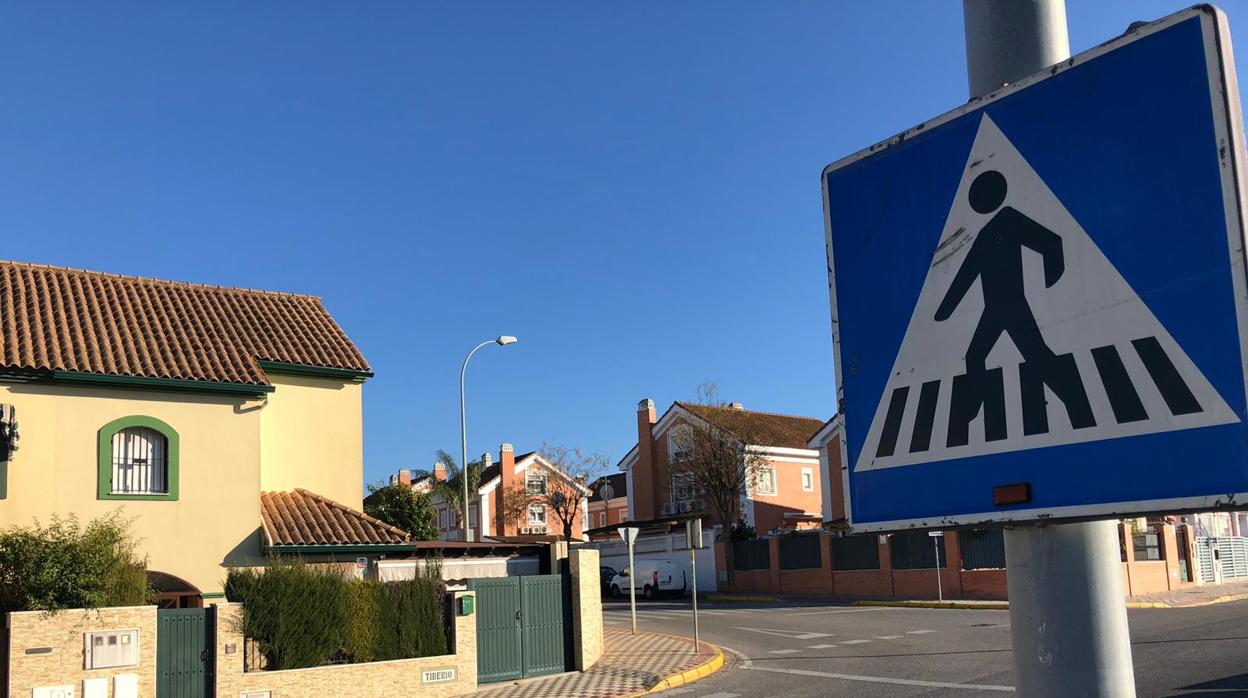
1094	364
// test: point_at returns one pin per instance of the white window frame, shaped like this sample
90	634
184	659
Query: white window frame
674	437
535	509
765	480
533	478
808	479
472	515
602	518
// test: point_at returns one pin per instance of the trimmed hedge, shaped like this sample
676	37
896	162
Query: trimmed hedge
306	615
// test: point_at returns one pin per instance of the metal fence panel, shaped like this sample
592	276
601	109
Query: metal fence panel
914	550
982	549
856	553
800	553
750	555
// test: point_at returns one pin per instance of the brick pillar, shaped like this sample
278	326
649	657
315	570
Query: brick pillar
1170	553
951	576
1124	539
773	576
825	562
886	564
721	567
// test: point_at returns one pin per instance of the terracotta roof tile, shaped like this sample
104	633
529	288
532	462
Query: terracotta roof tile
306	518
58	319
766	428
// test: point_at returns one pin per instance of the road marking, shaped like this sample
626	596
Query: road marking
919	632
723	695
820	647
855	642
888	637
785	651
841	610
788	634
882	679
748	664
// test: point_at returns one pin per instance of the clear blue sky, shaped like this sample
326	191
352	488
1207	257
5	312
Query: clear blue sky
630	188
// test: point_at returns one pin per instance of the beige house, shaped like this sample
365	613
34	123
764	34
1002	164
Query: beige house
178	404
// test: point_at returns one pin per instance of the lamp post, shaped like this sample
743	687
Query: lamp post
463	427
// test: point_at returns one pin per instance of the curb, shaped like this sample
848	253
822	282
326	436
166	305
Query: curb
747	598
1162	604
983	606
697	673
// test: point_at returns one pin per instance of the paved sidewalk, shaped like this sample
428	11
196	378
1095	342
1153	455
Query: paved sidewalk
1193	596
630	665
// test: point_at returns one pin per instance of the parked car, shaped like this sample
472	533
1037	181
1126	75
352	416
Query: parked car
654	578
606	574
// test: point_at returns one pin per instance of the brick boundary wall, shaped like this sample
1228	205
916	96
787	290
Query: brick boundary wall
1139	576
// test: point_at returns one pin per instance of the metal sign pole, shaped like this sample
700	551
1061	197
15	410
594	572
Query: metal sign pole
632	584
1068	620
629	535
940	594
693	538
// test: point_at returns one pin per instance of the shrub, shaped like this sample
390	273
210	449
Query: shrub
308	615
410	620
62	565
298	613
363	630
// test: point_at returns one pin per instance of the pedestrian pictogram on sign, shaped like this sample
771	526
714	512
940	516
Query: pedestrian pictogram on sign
1025	335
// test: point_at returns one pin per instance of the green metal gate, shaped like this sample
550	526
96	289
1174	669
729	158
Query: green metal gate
524	626
184	653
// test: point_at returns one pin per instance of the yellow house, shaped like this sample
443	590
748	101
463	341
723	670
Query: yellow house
180	404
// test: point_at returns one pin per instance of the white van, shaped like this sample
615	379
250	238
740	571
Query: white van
654	578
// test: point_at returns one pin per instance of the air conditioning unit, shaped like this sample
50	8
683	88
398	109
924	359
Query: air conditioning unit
670	508
699	504
525	531
686	507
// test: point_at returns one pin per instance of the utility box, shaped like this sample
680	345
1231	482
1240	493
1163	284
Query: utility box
111	648
465	605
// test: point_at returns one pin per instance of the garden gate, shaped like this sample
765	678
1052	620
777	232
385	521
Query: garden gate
524	626
184	656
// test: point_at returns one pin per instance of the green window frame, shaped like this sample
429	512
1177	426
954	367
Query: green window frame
105	447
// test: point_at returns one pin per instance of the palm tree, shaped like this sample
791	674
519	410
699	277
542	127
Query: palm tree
451	490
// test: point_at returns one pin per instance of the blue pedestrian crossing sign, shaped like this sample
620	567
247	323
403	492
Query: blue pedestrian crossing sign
1039	305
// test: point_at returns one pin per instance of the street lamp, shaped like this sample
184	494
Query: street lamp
463	427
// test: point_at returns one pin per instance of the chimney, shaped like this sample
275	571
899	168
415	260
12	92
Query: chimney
405	476
642	492
439	471
506	474
394	480
737	406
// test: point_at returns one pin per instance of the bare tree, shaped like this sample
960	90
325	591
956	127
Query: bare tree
716	455
561	497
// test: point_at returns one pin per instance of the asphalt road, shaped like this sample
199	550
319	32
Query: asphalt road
823	650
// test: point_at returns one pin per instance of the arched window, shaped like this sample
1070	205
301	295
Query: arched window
138	459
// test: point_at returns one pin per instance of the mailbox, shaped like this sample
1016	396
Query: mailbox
465	605
111	648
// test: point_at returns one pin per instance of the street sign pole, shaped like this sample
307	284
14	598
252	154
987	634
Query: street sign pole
936	536
629	534
1068	620
693	538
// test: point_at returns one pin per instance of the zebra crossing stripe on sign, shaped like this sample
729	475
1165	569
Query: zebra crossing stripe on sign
1025	336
